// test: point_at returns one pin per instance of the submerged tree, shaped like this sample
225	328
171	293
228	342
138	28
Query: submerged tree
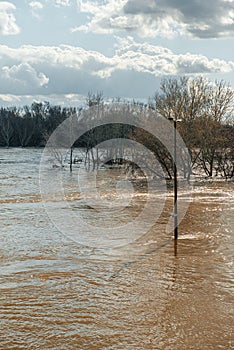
206	110
203	107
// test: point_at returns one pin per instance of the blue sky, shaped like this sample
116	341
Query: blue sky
59	50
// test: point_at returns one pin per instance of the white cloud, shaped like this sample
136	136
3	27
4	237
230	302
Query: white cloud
157	60
64	56
66	100
35	7
165	18
8	25
68	70
113	17
61	2
78	4
8	98
22	77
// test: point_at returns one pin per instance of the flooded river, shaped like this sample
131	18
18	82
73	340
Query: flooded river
58	294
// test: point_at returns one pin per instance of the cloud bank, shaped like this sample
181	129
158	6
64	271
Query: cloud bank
164	18
69	69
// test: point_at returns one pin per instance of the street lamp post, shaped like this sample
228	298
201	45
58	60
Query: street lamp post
175	214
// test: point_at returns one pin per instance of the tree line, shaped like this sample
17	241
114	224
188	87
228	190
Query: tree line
205	109
30	126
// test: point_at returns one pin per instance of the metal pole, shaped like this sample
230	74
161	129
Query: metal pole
175	187
71	151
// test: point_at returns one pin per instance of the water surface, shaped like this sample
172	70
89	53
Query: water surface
57	294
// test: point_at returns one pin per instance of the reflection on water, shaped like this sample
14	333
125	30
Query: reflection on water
56	294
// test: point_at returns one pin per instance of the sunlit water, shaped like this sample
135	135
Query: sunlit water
57	294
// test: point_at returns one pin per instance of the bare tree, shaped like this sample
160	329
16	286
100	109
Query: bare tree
6	127
203	107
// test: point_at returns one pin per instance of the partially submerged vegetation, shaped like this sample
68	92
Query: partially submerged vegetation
207	126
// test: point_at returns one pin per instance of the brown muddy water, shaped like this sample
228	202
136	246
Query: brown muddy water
58	294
